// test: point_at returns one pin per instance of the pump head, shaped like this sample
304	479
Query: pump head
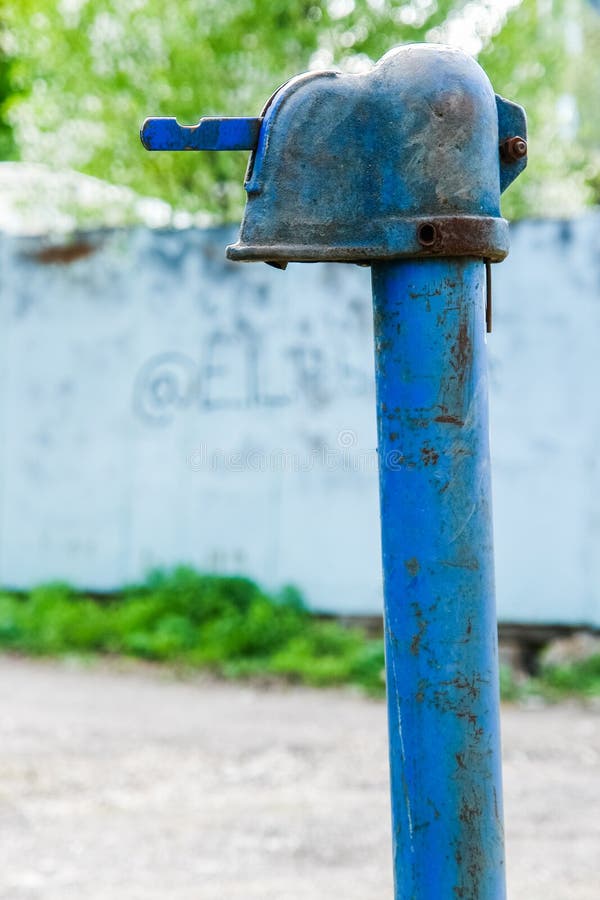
405	160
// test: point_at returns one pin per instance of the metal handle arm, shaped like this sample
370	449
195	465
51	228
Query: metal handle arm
219	133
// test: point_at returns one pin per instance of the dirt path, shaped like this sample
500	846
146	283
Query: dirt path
132	785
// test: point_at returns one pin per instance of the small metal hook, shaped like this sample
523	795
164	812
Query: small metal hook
488	296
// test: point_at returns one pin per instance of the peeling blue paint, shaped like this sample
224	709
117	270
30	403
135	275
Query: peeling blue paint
438	579
402	168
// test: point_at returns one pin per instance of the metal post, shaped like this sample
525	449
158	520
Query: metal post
402	168
440	625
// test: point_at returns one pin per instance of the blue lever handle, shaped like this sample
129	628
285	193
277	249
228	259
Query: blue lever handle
208	134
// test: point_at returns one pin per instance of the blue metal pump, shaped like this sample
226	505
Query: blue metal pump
401	168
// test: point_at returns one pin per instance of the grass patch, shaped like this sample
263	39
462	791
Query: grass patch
575	679
229	626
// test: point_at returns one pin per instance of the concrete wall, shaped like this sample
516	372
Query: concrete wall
161	405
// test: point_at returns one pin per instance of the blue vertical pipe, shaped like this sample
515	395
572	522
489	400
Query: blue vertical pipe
440	622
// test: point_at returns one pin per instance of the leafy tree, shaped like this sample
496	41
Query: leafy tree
545	57
89	71
8	148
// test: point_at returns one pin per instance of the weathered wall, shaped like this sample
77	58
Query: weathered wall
161	405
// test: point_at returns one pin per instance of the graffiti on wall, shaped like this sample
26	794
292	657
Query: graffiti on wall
236	370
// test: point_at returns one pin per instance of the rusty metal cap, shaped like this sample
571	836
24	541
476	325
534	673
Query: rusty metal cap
401	161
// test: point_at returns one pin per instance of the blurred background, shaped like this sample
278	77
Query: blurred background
164	407
188	472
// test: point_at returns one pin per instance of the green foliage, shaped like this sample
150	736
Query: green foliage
545	57
85	73
229	626
8	96
92	70
52	620
225	624
580	678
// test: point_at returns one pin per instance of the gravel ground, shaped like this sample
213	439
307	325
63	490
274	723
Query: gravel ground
124	782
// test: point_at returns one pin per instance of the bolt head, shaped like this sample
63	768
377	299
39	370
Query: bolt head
513	149
519	148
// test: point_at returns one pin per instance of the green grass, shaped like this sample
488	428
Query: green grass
229	626
576	679
579	680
